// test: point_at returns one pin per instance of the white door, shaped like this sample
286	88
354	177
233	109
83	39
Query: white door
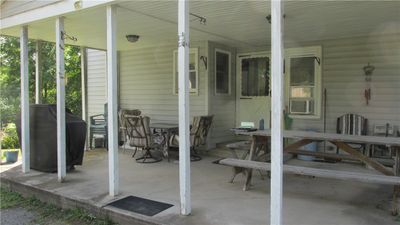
253	89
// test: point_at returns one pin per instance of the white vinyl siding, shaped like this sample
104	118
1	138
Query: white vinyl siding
343	77
146	82
96	81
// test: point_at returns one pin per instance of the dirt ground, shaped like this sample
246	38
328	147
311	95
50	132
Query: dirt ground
16	216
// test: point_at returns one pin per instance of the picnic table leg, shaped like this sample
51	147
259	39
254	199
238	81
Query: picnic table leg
167	144
236	170
251	156
396	189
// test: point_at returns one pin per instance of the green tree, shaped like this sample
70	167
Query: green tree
10	76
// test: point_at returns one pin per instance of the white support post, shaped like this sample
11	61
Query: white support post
60	72
25	143
277	111
84	91
38	75
84	83
112	92
184	123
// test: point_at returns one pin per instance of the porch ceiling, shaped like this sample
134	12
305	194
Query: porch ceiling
237	23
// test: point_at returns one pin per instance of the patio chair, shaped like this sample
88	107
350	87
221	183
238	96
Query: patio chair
198	135
352	124
139	136
98	127
122	124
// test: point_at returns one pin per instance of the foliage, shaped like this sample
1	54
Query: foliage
9	137
48	213
10	76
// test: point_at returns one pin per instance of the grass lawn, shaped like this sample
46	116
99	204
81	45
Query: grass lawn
47	213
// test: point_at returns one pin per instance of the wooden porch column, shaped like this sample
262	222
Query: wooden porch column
184	123
25	145
38	71
112	92
60	72
277	111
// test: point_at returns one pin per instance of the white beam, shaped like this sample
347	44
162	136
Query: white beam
25	144
184	123
38	71
61	7
61	159
277	111
84	91
112	92
84	83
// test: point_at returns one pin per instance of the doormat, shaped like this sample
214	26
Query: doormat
140	205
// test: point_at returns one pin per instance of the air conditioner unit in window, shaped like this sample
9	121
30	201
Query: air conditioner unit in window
303	107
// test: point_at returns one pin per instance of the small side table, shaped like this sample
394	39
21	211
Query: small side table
166	130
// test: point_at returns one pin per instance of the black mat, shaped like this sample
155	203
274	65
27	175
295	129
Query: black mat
140	205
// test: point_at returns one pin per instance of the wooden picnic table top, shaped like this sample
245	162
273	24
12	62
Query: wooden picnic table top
389	141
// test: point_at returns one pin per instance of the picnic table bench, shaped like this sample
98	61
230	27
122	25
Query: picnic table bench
390	177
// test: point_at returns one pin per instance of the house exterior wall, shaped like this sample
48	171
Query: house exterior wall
343	77
96	81
146	82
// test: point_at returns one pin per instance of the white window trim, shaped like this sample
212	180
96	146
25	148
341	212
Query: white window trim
304	52
229	71
194	51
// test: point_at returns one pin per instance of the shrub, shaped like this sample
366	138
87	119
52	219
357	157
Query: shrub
9	137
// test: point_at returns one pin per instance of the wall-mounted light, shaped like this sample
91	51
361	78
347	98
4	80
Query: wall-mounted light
204	59
132	38
368	69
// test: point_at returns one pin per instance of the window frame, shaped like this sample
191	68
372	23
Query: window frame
192	91
229	71
249	55
312	51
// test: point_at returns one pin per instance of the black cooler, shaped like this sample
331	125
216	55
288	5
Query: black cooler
43	137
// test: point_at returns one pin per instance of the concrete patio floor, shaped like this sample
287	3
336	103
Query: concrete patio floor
308	201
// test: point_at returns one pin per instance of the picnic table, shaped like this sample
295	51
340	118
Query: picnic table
341	141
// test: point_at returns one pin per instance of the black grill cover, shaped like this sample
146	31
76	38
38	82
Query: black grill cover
43	137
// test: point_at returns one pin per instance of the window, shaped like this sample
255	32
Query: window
304	85
222	72
255	76
193	71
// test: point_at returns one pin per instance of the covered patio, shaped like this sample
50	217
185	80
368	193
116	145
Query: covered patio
214	199
159	76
